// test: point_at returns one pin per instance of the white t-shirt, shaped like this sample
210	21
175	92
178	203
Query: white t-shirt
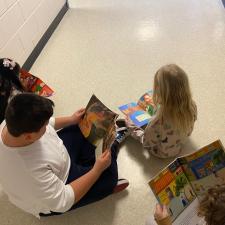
34	176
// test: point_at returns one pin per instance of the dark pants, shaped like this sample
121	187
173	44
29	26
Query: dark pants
82	156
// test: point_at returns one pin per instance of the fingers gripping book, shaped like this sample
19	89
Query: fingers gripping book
182	183
98	123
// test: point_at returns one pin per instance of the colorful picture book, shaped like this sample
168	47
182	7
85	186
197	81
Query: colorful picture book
141	112
182	183
98	123
34	84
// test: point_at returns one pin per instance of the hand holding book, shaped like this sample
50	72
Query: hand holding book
140	113
182	183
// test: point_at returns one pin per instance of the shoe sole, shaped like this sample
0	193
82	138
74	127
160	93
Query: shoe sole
120	187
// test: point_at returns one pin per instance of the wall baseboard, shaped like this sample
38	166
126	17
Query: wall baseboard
44	39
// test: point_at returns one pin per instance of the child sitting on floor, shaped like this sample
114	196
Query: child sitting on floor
211	209
175	115
10	84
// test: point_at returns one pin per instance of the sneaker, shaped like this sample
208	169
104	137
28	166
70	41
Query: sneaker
122	131
120	123
121	185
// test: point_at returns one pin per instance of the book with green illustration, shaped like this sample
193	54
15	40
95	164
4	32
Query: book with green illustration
140	112
182	183
98	123
34	84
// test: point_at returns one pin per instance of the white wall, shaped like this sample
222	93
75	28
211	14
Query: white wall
99	3
22	24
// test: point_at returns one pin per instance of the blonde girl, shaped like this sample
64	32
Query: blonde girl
175	115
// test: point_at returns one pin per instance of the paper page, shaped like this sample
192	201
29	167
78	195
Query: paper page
146	102
143	117
140	113
189	216
205	168
34	84
136	114
109	138
172	188
96	121
98	150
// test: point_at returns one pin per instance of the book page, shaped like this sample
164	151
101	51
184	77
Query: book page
97	121
109	138
136	114
172	188
140	113
190	215
34	84
205	168
146	103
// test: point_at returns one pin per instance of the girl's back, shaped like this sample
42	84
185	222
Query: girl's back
164	140
176	113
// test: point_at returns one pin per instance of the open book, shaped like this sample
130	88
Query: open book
34	84
141	112
98	123
182	183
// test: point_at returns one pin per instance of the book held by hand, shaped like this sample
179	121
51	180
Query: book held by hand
140	113
98	123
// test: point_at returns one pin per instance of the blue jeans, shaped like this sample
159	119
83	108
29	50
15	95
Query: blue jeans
82	156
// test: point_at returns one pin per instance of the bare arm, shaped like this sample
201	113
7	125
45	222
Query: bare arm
82	185
61	122
162	216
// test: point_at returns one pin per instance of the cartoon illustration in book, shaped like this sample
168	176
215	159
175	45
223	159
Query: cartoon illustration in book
34	84
170	194
146	103
172	188
182	183
97	121
184	200
205	169
141	112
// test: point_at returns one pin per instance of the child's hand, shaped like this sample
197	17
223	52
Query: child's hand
76	117
160	212
103	161
128	122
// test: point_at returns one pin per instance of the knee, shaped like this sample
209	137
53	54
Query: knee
111	179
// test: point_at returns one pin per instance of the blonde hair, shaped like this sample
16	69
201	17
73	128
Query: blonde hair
172	93
212	206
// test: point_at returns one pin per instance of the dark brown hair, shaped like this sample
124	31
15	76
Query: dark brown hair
212	206
9	78
27	113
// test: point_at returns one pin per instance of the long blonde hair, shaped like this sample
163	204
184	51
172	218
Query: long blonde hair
172	93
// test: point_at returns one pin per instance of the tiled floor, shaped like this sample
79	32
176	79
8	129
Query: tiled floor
223	2
112	48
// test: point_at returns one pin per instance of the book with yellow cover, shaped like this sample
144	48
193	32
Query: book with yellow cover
183	182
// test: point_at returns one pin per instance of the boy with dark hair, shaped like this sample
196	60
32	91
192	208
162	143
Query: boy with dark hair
31	117
48	173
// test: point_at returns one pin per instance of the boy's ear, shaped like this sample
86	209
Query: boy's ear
27	136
